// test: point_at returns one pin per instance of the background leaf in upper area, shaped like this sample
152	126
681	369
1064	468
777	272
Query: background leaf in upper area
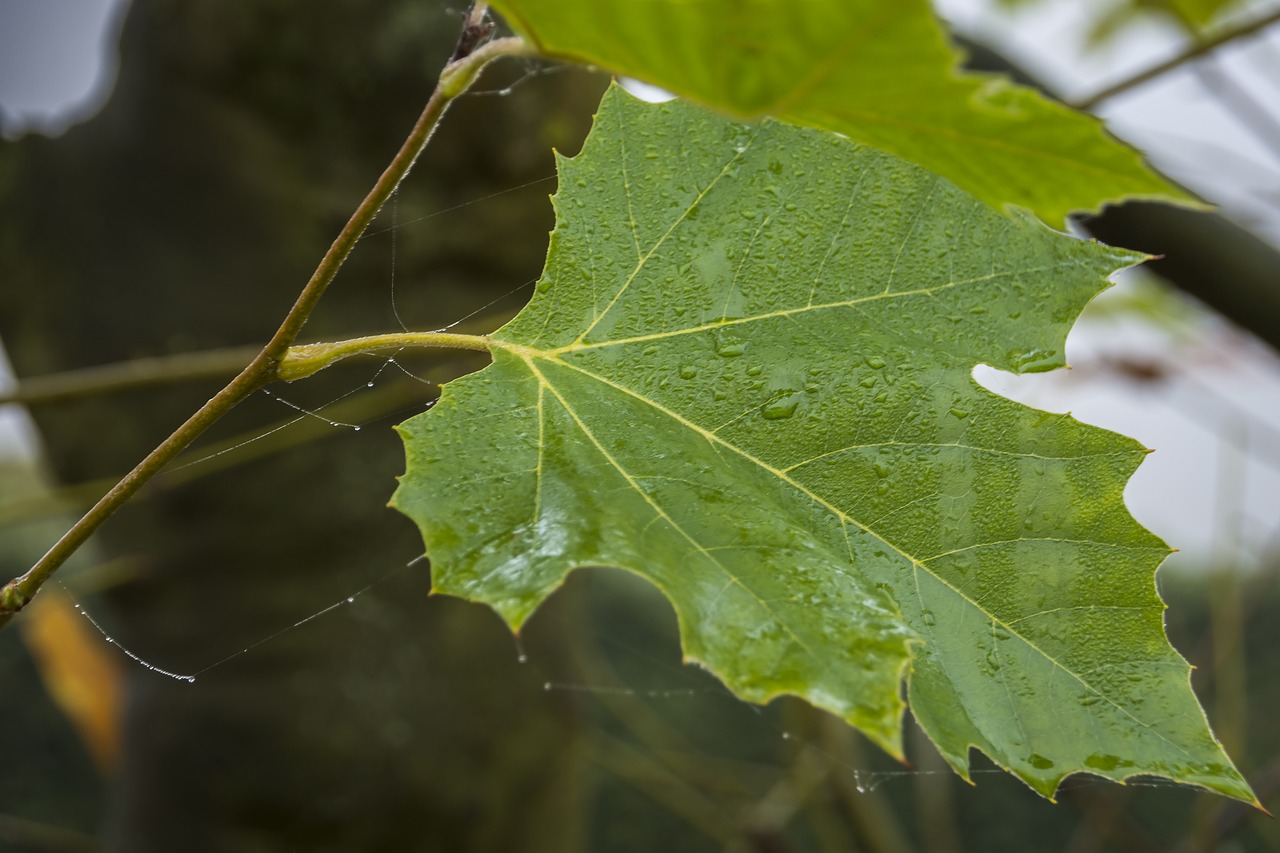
745	375
878	71
1112	17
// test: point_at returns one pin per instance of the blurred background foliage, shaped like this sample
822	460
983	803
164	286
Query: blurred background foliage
184	217
1112	16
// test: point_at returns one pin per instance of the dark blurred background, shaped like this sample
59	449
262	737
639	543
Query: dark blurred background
184	217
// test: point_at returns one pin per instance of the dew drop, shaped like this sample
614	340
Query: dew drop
875	362
928	617
730	348
688	371
781	408
1035	361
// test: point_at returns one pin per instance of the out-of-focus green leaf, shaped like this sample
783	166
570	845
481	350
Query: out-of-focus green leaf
745	376
1111	17
877	71
1191	15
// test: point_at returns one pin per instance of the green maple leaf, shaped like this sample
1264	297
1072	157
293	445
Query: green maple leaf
877	71
746	376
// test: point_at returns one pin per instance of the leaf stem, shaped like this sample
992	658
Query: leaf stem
302	361
1200	48
458	74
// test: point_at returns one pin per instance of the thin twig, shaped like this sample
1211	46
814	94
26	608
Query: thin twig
1197	50
128	375
457	76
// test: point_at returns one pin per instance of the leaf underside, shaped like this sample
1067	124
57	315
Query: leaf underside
877	71
746	376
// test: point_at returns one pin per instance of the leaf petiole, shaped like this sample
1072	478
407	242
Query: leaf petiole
302	361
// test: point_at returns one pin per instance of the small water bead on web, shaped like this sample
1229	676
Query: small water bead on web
311	413
305	414
533	68
865	780
668	693
112	641
522	657
191	678
399	226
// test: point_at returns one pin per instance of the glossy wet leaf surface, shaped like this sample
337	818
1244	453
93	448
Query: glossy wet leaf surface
746	376
878	71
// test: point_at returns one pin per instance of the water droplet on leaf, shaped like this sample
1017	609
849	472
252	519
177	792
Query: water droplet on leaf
781	407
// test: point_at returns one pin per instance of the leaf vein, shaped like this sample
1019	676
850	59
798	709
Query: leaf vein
579	345
916	564
644	258
657	508
953	444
